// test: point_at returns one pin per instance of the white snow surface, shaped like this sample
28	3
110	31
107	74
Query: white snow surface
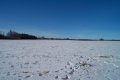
59	60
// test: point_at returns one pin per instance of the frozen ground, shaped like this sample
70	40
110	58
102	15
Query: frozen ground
59	60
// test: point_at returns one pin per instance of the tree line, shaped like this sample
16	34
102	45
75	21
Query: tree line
15	35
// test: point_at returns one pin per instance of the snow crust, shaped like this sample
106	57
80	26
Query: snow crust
59	60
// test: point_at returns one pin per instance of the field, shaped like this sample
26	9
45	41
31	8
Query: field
59	60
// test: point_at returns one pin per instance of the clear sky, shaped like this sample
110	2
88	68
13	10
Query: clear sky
62	18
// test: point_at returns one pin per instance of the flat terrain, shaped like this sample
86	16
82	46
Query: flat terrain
59	60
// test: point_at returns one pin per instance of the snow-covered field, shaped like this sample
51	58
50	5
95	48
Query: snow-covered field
59	60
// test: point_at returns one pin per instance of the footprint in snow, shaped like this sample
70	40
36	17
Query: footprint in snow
68	70
27	76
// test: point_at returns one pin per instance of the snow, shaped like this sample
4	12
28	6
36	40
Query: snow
59	60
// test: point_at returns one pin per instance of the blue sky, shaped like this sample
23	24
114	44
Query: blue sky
62	18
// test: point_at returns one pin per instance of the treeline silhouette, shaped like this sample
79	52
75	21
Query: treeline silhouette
13	35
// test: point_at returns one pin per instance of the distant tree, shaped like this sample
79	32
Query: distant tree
2	35
27	36
13	35
67	38
101	39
